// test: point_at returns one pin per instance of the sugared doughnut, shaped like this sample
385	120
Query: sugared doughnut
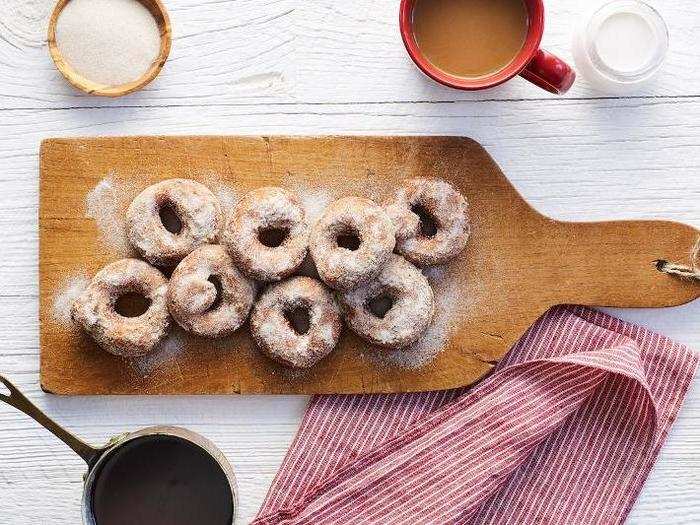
351	242
296	322
207	295
100	313
393	310
267	234
168	220
431	220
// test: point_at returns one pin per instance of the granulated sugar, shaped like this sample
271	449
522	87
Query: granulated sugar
166	354
451	305
226	191
106	203
314	201
110	42
227	198
63	301
373	186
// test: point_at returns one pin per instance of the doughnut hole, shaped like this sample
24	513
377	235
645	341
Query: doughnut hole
216	281
196	295
273	237
132	304
348	238
299	318
381	303
428	223
169	217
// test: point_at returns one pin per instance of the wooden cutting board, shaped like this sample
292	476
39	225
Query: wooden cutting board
518	263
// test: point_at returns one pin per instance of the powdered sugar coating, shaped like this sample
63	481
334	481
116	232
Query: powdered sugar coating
261	210
342	268
63	301
412	309
197	209
275	335
95	310
106	204
445	205
193	298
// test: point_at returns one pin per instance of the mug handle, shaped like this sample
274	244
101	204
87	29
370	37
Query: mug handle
549	72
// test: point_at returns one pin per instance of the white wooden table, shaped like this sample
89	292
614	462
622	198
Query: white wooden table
322	67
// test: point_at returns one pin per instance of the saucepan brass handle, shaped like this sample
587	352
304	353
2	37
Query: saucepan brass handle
20	402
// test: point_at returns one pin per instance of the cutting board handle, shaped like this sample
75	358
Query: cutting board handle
614	263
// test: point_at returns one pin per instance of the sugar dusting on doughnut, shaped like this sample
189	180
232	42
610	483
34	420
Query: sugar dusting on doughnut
169	219
394	309
128	334
296	322
208	295
453	300
351	242
431	219
267	235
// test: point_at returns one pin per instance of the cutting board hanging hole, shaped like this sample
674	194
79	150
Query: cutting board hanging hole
690	273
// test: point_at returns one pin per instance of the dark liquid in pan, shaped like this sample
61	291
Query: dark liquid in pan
161	480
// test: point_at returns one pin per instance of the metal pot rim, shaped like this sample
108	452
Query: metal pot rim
160	430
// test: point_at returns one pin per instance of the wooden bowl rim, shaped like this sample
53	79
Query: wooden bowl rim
159	13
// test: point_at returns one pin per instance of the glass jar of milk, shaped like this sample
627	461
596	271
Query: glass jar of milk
621	46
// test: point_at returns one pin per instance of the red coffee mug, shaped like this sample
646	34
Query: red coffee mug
532	63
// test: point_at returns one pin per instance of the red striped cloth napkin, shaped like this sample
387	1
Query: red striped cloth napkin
565	430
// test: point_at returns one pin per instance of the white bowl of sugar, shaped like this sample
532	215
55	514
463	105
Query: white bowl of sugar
109	47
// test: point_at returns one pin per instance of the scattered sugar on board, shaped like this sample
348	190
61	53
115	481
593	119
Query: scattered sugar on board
225	191
314	201
373	185
294	374
110	42
227	198
315	198
166	354
67	294
451	305
106	204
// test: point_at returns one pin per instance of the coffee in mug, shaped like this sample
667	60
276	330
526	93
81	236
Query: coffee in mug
470	38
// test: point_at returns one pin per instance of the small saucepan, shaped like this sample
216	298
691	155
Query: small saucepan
157	475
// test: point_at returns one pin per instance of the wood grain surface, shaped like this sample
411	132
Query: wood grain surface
329	67
518	262
293	52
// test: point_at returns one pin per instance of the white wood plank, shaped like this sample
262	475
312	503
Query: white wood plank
242	51
286	66
572	165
